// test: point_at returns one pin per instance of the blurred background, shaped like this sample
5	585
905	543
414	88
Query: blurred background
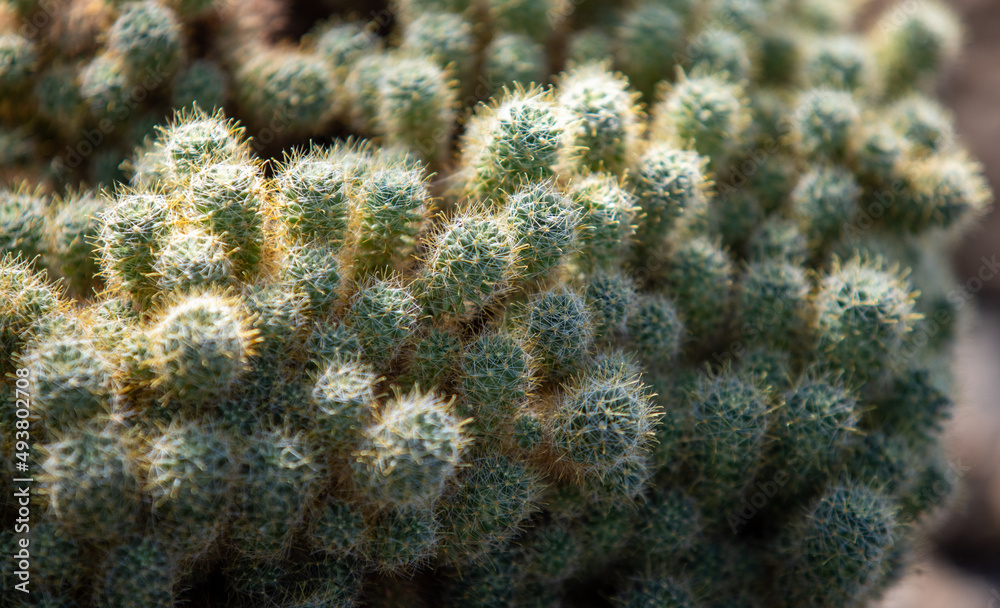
959	565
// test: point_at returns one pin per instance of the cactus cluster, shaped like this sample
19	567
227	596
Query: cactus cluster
662	321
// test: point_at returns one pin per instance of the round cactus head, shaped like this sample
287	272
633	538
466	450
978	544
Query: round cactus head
192	259
342	398
312	272
535	19
22	217
393	203
90	481
542	222
730	429
495	497
416	106
912	45
341	44
841	62
314	198
147	35
411	451
607	213
26	298
778	239
512	59
671	524
495	377
190	475
700	276
203	83
649	37
708	113
825	123
17	59
942	192
104	84
837	549
559	327
826	199
924	123
278	485
194	139
72	236
818	422
132	233
340	529
773	303
434	359
228	200
200	346
384	315
655	329
59	555
588	45
294	88
719	51
72	381
864	310
606	416
521	139
611	298
470	264
672	189
609	119
401	539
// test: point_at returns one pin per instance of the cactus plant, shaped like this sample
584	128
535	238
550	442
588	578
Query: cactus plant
447	324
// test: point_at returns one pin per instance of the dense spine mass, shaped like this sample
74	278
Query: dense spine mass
491	303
